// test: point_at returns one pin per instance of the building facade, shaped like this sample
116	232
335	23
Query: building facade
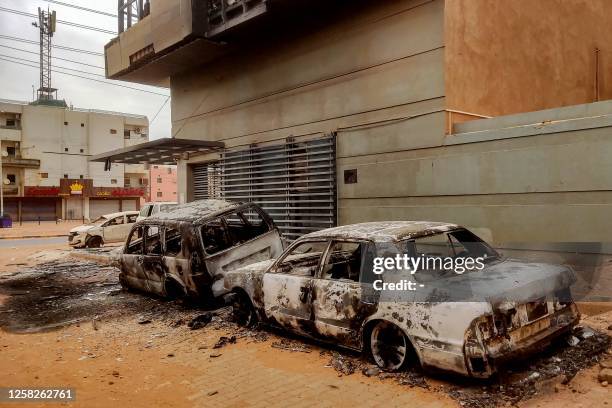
163	183
382	110
45	169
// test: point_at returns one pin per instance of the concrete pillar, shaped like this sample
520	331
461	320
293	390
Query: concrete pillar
19	209
63	208
86	208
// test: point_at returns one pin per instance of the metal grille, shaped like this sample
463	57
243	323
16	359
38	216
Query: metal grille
294	182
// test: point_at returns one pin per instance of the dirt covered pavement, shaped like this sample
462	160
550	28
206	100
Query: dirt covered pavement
65	322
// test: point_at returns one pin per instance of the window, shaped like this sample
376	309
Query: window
152	240
126	182
155	167
82	125
65	123
173	242
304	259
135	242
245	225
131	218
113	181
169	170
114	221
144	181
214	237
113	131
11	151
81	150
159	179
11	178
126	134
145	211
343	261
65	149
350	176
65	176
44	175
160	194
10	122
81	176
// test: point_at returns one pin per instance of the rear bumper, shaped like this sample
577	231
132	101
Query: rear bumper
522	342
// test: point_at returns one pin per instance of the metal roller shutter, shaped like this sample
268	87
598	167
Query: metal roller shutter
98	208
295	182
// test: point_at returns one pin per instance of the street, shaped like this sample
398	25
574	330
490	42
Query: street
65	321
27	242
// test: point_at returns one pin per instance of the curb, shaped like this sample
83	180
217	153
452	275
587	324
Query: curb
36	236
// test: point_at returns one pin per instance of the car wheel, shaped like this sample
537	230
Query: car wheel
94	242
243	310
389	346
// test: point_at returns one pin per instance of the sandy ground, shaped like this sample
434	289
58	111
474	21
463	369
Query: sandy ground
130	350
34	229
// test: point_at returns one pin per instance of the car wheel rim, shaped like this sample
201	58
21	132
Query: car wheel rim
389	347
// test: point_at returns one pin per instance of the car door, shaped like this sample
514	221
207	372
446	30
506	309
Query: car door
114	229
175	260
237	239
132	268
337	305
152	262
287	286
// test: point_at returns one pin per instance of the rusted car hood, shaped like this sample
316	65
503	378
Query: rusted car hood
506	280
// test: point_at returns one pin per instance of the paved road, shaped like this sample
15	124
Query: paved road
10	243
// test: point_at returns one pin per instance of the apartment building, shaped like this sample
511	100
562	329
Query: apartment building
163	183
45	171
491	114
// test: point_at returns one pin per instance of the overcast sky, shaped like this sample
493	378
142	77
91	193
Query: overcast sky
16	80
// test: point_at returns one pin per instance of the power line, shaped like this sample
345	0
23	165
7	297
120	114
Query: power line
159	110
68	23
104	13
59	47
53	56
54	66
84	77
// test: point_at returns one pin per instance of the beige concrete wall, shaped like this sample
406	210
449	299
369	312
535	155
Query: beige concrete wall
384	63
513	56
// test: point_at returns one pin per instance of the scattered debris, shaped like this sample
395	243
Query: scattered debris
215	355
223	340
200	321
144	320
210	394
559	363
293	346
344	365
371	371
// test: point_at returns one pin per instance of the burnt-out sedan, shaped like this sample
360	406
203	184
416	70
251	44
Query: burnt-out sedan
188	250
463	316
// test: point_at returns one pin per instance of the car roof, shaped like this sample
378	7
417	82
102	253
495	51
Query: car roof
117	214
194	212
159	202
385	231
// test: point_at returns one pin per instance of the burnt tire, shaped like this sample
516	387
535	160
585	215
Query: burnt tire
389	347
93	242
243	311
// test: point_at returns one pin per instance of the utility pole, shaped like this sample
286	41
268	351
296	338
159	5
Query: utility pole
46	25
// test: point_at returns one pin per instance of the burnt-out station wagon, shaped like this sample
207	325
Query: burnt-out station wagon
187	251
469	323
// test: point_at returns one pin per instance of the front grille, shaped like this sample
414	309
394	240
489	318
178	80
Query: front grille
71	236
